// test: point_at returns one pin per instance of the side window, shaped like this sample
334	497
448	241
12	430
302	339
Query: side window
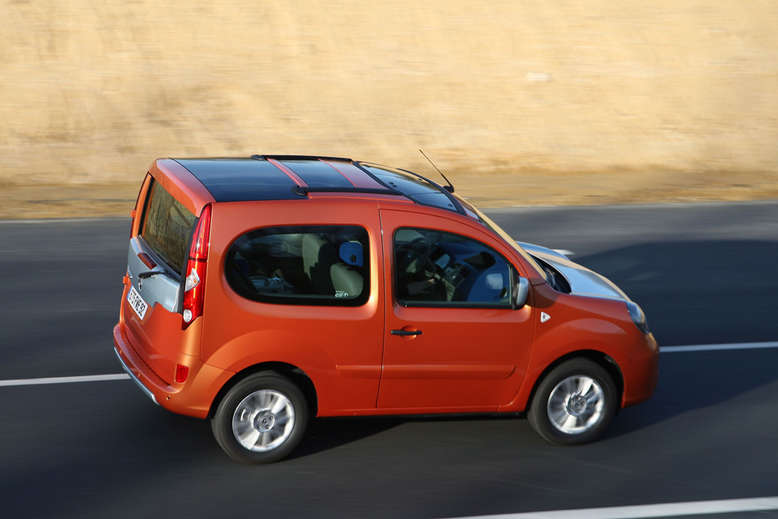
436	268
303	265
167	227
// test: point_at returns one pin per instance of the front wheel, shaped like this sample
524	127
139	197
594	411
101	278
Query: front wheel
574	403
261	419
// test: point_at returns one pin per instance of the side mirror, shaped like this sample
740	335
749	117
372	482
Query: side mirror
520	292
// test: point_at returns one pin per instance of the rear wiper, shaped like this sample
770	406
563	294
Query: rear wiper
149	273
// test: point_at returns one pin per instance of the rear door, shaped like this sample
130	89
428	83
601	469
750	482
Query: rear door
156	259
452	340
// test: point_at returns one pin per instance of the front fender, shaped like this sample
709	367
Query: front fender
579	324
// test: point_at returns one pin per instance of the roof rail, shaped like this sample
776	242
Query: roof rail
298	157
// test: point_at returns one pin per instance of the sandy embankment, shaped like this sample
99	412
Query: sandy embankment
521	102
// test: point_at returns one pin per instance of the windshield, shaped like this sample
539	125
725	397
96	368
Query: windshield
496	229
423	191
418	189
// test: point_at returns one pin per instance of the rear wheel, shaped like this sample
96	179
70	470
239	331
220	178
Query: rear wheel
261	419
574	403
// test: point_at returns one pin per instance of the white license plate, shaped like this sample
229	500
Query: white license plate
137	303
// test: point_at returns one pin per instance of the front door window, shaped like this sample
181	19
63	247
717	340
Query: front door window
437	268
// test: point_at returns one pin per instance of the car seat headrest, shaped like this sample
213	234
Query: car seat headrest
351	253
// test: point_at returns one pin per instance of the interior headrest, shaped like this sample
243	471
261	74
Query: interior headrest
351	253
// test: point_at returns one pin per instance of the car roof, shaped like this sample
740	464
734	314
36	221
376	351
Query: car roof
292	177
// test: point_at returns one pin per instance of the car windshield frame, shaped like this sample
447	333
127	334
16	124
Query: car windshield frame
504	236
461	207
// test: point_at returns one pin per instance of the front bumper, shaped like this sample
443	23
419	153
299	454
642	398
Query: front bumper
641	381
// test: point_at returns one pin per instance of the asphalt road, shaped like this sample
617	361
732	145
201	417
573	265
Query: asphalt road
703	274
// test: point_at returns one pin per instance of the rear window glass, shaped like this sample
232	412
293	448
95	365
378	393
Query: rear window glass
305	265
167	227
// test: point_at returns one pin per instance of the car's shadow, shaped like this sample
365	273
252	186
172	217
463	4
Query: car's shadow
696	380
328	433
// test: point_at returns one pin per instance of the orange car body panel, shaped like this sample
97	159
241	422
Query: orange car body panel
466	360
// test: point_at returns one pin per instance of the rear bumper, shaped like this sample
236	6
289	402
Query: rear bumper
193	397
135	379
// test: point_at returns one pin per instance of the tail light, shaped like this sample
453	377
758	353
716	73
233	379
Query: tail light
194	283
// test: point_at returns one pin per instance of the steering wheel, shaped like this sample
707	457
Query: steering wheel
416	257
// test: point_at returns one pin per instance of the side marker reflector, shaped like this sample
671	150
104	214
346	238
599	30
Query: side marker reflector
181	373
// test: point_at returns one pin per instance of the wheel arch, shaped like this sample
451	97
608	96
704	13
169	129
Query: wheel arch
602	359
292	372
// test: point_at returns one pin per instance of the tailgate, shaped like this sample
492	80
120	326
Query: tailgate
151	305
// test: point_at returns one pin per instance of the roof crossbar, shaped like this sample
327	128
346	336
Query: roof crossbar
303	190
298	157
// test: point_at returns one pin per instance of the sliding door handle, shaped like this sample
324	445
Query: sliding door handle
405	333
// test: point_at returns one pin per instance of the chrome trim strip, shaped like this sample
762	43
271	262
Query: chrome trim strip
135	379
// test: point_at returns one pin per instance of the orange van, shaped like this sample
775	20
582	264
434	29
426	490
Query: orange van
261	292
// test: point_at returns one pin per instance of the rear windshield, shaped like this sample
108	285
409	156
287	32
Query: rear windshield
167	227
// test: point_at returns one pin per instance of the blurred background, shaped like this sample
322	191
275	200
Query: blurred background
523	103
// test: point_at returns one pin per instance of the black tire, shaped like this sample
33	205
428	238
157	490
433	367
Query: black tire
538	414
270	384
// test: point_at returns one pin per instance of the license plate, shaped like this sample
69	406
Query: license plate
137	303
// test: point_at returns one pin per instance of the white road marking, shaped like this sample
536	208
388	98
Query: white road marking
722	506
658	205
719	347
62	380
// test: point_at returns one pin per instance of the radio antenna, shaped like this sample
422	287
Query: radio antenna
450	186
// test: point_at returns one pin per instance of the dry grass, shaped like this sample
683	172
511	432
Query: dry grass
497	190
591	101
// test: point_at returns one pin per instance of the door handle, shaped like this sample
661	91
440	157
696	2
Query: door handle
405	333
